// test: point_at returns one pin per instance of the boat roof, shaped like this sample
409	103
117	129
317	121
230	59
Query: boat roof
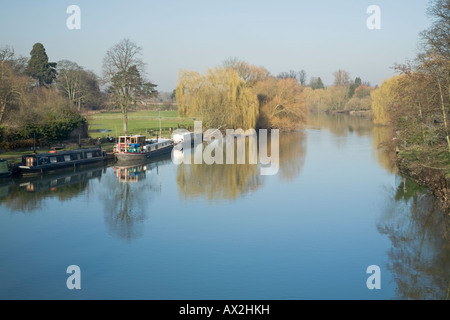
59	153
133	136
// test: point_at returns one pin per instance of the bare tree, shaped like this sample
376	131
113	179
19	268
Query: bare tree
12	84
78	85
302	77
123	70
69	80
437	37
341	78
250	73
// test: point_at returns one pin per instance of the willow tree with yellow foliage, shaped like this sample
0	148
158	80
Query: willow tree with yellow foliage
282	104
220	98
384	98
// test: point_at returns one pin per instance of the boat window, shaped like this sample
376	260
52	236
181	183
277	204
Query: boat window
30	161
122	140
89	155
53	160
67	157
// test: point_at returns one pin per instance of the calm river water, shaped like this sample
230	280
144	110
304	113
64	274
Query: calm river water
166	231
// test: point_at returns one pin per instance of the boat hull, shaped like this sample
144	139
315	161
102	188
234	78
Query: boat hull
25	170
5	175
139	156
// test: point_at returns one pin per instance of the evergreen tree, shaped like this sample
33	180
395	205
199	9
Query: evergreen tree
316	83
320	84
354	86
39	68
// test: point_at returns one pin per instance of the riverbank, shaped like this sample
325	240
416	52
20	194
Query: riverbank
435	174
104	124
358	113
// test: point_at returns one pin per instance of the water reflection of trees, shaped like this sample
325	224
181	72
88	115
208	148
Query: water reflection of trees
217	181
292	155
230	181
27	194
383	156
419	258
342	124
127	195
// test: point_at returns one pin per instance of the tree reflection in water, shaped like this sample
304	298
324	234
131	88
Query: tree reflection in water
420	252
292	155
126	197
384	157
342	125
231	181
27	194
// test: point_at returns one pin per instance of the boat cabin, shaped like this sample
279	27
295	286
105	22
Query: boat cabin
54	158
155	144
131	143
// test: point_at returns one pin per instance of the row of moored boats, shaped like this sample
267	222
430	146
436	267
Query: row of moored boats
127	149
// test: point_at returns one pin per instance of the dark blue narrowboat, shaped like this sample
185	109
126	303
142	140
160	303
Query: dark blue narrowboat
42	162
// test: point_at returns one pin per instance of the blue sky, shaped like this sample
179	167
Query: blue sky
317	36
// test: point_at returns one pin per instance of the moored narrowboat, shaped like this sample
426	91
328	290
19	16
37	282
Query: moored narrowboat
138	148
42	162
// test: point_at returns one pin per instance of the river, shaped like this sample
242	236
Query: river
165	231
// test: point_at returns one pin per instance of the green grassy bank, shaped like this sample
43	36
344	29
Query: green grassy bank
139	122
